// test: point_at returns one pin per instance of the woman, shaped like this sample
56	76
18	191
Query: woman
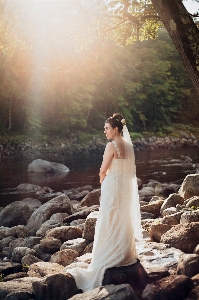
118	223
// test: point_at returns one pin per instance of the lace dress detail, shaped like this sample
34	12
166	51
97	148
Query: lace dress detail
114	241
117	150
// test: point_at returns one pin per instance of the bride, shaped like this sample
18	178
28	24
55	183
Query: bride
118	224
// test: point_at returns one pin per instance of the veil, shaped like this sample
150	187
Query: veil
131	191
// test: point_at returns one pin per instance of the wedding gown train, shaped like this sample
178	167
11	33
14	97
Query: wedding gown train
114	241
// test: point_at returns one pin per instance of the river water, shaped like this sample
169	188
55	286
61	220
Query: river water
163	165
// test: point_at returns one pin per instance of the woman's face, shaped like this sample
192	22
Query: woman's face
109	131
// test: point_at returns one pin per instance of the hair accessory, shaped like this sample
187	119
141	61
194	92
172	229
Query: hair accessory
123	121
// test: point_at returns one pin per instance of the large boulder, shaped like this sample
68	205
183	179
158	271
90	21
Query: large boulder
55	287
190	186
44	166
183	236
16	213
65	233
58	204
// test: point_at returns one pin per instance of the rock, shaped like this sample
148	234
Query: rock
15	276
4	243
91	199
169	211
59	217
42	269
17	286
155	257
50	245
49	224
135	275
89	248
78	223
190	186
20	295
64	257
86	258
65	233
188	265
42	255
183	236
43	213
79	195
171	201
16	231
78	245
16	213
19	252
31	241
109	292
7	268
173	219
32	203
193	201
56	287
153	207
44	166
75	265
177	289
146	215
81	214
14	244
156	231
189	216
89	228
28	188
29	259
147	192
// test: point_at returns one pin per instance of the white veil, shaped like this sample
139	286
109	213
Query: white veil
131	191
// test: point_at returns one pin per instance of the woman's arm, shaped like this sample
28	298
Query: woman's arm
107	158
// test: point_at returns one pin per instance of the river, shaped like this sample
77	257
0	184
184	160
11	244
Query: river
163	165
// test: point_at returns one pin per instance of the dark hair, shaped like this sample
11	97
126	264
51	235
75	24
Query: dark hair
115	121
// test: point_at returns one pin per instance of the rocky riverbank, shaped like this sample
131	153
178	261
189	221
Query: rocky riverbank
34	149
39	242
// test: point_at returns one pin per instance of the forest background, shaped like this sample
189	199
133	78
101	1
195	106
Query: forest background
50	89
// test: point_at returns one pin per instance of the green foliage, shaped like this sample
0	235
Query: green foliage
135	135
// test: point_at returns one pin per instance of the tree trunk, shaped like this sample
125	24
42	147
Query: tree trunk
183	32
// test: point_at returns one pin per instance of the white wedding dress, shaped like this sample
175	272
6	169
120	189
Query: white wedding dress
118	223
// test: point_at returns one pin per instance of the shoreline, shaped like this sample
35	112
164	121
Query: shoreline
32	148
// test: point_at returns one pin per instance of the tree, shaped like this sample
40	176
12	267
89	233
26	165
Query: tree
138	20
